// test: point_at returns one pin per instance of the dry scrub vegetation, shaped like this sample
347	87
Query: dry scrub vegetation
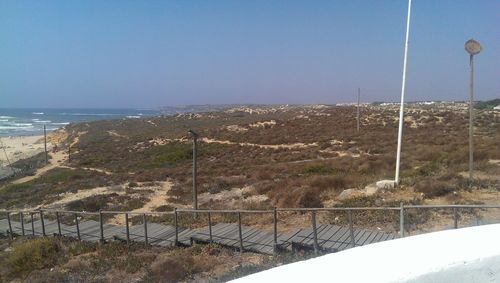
335	157
250	164
65	260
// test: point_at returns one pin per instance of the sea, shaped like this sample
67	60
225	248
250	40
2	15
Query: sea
27	122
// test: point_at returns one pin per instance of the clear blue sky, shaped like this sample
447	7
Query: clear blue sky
155	53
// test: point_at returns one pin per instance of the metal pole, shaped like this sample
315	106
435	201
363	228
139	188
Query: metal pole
351	229
210	226
315	232
45	144
455	217
176	227
127	229
32	224
77	227
275	221
240	234
195	171
58	223
10	225
101	227
401	115
145	221
471	119
21	219
401	220
43	223
357	119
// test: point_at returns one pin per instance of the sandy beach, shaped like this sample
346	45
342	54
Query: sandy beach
20	147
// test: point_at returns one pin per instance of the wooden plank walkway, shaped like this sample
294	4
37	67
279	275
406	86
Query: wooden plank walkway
331	238
158	235
255	240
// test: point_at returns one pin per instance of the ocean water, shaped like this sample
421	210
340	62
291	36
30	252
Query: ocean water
26	122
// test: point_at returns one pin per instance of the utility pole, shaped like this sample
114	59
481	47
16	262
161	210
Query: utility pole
472	47
195	169
69	149
45	144
401	109
359	91
7	158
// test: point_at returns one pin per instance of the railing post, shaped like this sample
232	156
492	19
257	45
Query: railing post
315	232
32	224
43	223
401	220
210	226
275	230
58	223
127	228
240	234
145	222
10	225
351	230
101	226
21	219
77	227
176	227
455	217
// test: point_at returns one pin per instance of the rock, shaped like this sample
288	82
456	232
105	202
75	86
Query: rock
348	193
371	189
386	184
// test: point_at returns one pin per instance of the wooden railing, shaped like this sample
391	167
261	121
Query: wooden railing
209	212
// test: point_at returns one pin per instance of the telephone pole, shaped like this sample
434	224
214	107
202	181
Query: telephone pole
195	168
45	144
359	91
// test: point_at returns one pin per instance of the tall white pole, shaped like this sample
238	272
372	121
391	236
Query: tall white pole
401	109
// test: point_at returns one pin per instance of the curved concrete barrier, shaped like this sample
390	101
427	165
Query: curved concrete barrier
462	255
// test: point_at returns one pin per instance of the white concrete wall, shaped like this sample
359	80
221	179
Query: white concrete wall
462	255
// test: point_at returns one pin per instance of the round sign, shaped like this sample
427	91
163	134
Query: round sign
473	47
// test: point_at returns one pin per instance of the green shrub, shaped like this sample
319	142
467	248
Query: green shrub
32	255
434	188
318	169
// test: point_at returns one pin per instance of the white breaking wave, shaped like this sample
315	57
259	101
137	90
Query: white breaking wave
42	121
6	117
61	123
38	113
22	124
16	128
90	114
133	117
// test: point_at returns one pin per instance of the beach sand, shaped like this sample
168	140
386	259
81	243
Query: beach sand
21	147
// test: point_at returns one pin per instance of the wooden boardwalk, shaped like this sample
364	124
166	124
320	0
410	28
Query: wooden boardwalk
252	239
158	235
330	238
333	238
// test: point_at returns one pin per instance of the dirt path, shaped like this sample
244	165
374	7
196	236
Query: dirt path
267	146
57	159
81	194
156	199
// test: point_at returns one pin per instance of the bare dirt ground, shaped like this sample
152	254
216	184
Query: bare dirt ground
268	146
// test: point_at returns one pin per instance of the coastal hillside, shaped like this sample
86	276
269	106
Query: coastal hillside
257	157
